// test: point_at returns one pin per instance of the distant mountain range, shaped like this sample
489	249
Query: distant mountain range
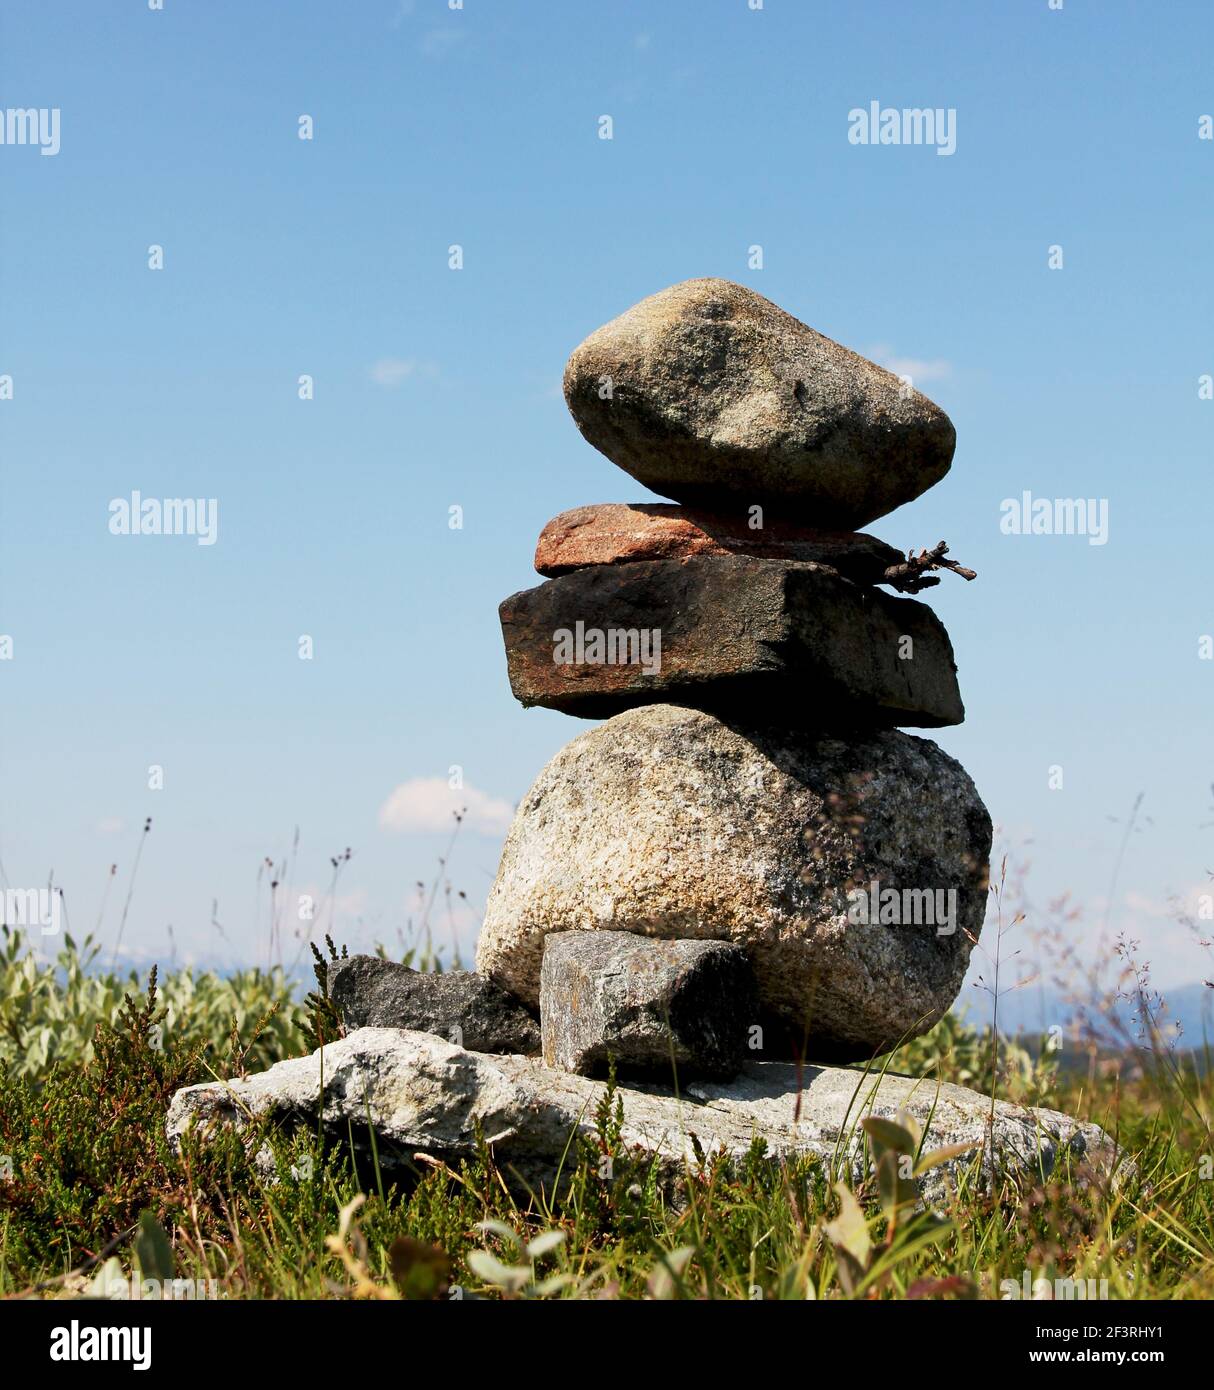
1035	1009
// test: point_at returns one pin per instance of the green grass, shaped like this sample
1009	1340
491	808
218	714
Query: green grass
89	1190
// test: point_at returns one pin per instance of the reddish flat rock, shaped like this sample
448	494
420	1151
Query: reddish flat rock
616	533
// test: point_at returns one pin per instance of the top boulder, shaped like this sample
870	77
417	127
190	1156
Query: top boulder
712	395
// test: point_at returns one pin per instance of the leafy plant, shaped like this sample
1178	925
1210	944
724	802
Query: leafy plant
518	1280
863	1263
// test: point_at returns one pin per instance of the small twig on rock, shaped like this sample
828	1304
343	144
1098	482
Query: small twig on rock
913	574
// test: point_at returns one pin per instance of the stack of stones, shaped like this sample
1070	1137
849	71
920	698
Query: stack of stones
747	859
748	862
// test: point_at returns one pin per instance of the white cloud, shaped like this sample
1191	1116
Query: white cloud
437	41
429	804
391	371
110	825
919	369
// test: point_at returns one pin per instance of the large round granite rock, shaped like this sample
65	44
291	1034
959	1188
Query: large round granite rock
712	395
853	872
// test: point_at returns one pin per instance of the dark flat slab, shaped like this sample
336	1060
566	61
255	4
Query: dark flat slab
733	635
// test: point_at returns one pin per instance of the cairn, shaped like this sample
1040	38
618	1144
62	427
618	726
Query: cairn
780	872
747	864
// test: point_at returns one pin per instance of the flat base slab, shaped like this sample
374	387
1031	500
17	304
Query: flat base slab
735	636
420	1093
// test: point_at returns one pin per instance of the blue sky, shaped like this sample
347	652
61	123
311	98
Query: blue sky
282	257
